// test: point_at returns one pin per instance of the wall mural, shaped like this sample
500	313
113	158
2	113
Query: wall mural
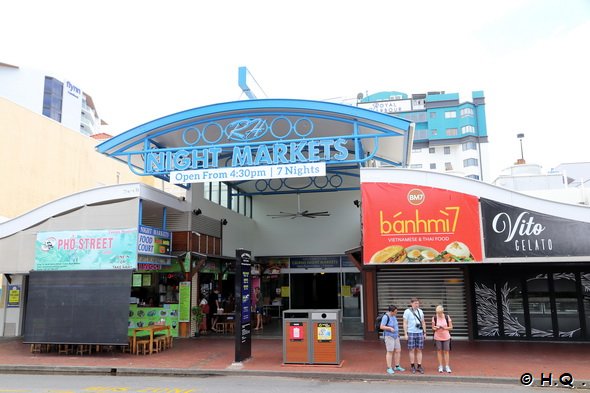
487	309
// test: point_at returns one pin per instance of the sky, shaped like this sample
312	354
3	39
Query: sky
141	60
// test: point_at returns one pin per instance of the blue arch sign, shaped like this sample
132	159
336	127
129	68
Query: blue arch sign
258	139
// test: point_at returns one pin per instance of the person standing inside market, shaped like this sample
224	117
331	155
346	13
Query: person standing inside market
259	308
415	333
213	306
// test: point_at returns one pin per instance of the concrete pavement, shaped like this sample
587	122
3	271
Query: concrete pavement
492	362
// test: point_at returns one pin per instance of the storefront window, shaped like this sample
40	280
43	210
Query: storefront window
585	279
539	305
512	308
566	305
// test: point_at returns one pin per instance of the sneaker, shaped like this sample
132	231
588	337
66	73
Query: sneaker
440	369
390	371
413	369
420	369
448	369
399	368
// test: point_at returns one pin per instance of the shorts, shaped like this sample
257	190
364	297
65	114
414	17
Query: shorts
392	343
415	340
442	345
259	310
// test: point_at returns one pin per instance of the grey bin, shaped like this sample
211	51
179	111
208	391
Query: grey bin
311	336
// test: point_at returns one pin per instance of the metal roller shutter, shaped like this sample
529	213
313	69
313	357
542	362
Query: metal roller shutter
432	286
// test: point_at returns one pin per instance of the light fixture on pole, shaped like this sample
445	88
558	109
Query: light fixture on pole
520	136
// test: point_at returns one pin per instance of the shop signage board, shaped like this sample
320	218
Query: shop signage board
514	232
101	249
314	262
14	292
184	301
411	224
243	296
153	241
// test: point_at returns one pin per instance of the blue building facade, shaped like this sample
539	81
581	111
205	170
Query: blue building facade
450	135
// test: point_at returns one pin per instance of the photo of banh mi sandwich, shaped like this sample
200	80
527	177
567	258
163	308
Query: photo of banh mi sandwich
389	254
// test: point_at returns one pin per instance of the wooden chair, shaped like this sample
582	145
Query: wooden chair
36	348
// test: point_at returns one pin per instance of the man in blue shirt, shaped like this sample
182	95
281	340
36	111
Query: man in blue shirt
415	333
391	336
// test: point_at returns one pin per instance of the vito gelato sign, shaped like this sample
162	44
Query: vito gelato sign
511	231
86	250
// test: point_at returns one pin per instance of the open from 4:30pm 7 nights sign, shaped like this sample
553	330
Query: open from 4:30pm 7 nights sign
414	224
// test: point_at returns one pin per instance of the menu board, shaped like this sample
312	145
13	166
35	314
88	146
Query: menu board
147	316
184	299
136	280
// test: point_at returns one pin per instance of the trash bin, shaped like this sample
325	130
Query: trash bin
311	336
326	340
295	336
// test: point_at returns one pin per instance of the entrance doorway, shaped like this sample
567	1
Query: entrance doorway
314	291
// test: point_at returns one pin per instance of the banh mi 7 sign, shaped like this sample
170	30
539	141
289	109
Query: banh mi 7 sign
414	224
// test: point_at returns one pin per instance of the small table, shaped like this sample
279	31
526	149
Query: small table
273	310
152	329
225	319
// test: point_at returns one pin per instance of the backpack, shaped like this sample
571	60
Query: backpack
378	322
435	319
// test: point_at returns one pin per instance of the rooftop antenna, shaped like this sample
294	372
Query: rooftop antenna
243	76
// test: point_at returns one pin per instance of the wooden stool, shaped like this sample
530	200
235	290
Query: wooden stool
159	343
142	346
81	349
64	348
36	348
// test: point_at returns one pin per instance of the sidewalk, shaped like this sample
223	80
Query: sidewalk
502	362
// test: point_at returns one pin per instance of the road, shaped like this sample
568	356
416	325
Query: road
244	384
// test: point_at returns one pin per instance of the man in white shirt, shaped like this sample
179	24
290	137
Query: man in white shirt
415	333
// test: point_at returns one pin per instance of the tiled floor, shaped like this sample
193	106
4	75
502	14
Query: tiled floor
470	359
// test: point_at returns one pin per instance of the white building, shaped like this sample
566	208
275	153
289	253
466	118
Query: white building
59	99
564	183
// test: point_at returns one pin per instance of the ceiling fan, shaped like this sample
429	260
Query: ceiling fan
299	213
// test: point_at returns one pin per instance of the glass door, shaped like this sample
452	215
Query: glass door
351	301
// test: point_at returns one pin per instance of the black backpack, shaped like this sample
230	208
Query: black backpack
435	319
378	322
